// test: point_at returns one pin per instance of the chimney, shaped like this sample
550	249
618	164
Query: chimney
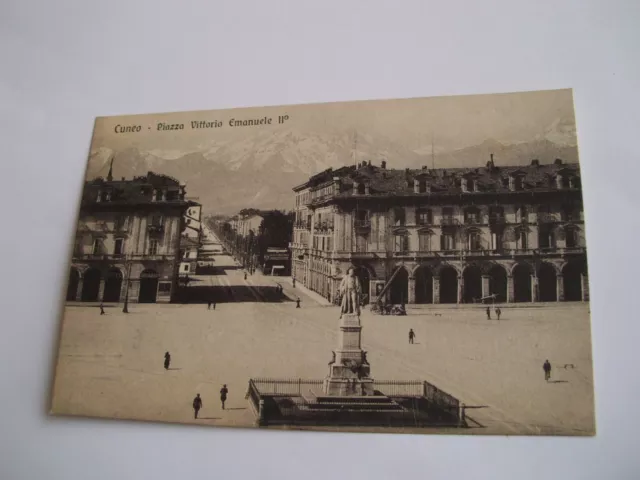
383	165
535	162
416	185
558	161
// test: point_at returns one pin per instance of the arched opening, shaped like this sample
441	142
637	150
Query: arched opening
522	283
148	286
472	284
72	286
572	279
448	285
112	285
547	283
424	285
363	275
398	292
498	283
91	285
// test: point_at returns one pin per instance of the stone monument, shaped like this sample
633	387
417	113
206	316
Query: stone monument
349	370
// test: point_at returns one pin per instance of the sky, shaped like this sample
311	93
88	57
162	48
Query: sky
450	122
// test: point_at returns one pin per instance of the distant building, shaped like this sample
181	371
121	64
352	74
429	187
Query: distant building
128	234
191	241
277	261
244	225
445	235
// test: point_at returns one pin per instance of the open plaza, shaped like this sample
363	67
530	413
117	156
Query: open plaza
111	365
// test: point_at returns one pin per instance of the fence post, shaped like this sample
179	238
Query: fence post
261	421
461	415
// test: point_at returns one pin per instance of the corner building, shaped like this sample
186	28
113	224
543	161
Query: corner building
128	239
444	235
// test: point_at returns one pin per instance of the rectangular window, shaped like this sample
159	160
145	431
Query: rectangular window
153	247
117	247
572	240
156	220
474	241
447	242
399	216
401	243
185	268
424	217
97	247
523	242
361	243
425	242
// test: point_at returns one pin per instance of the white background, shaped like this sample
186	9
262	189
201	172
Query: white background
64	63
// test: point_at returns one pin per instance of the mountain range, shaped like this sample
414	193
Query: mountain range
260	171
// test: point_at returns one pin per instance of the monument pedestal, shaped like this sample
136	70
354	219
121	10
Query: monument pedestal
349	373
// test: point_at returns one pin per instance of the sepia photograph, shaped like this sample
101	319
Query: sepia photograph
400	266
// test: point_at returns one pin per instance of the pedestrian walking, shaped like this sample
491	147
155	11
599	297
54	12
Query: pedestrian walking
298	302
197	405
245	275
294	283
412	335
223	394
214	305
209	306
547	370
101	309
167	360
488	313
498	312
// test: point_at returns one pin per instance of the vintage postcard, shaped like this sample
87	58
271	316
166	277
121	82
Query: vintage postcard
414	265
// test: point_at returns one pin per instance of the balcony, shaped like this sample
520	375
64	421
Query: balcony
302	225
449	222
362	225
155	229
544	217
497	220
473	220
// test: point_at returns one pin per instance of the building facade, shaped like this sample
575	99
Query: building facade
191	240
504	234
128	240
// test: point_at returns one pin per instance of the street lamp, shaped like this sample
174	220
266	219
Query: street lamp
125	308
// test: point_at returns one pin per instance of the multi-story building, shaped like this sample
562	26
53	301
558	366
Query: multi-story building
446	235
191	241
128	239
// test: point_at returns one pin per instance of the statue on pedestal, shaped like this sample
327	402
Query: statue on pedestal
350	292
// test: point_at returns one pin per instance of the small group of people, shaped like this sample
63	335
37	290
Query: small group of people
197	402
497	310
211	303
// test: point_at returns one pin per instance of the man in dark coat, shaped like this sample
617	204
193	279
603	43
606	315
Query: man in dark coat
223	394
498	312
101	309
167	360
488	313
298	302
197	405
412	335
547	370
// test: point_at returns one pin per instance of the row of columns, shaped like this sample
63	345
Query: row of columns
510	288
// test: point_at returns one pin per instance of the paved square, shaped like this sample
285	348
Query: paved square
112	365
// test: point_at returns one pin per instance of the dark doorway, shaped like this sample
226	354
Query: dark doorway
572	279
399	288
547	283
522	283
448	285
91	285
148	286
363	275
112	285
72	286
424	285
498	283
472	284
